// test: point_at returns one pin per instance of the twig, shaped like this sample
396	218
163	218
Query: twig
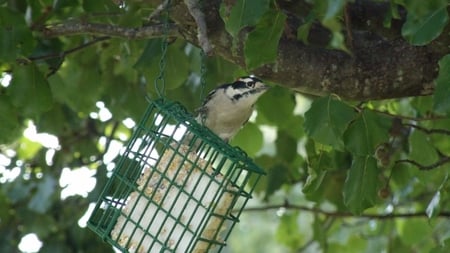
407	117
146	32
199	17
429	131
343	214
443	160
60	55
327	225
348	27
66	52
158	10
110	138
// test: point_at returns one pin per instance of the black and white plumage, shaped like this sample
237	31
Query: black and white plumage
228	107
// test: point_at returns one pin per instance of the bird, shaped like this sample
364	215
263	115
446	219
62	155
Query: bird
229	106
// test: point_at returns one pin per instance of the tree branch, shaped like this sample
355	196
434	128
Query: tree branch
380	67
60	55
146	32
199	17
429	118
429	131
158	10
442	161
343	214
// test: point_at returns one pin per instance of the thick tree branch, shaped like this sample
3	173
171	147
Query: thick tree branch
383	65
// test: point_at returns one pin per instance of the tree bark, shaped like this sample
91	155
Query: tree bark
381	65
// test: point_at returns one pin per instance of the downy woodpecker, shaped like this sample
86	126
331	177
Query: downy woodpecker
228	107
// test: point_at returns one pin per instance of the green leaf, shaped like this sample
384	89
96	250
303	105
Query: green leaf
293	126
286	147
366	132
422	30
43	225
442	248
176	62
436	139
360	188
442	92
326	121
125	99
249	138
331	12
411	231
277	115
261	46
338	42
8	240
421	149
318	165
277	175
333	9
303	30
18	190
15	36
30	91
243	13
320	232
326	176
266	162
78	82
10	127
27	148
46	121
42	200
288	231
434	205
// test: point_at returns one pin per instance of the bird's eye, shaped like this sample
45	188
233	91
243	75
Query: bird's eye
251	84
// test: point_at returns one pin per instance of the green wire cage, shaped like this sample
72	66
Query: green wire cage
177	187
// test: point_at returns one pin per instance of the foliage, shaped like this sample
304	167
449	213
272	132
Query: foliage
341	176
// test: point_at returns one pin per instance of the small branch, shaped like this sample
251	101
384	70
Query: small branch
442	161
60	55
66	52
407	117
146	32
199	17
158	10
343	214
110	138
348	27
429	131
326	226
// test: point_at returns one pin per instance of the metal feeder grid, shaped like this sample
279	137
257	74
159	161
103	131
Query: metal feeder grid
176	188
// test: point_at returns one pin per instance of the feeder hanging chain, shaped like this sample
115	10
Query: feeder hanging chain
203	70
160	83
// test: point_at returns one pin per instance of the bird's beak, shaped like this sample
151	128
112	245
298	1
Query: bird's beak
264	87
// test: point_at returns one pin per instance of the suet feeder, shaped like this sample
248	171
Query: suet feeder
177	187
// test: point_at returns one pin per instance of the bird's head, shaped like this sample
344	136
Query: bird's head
246	89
